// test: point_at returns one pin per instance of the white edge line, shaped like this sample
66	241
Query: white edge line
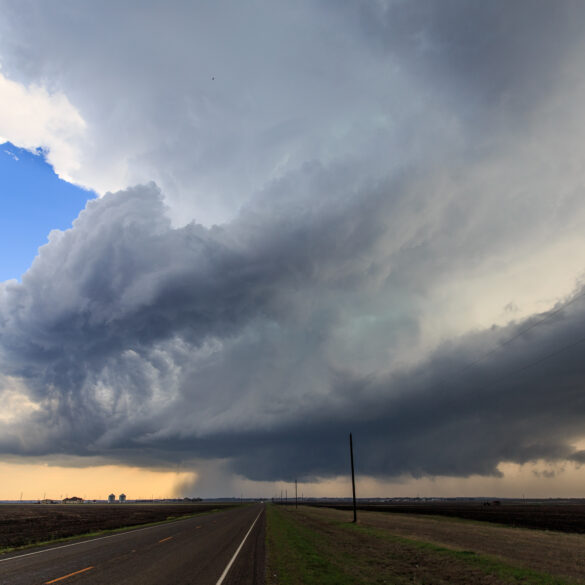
226	570
46	550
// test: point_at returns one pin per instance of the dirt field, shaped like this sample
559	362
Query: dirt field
403	548
564	517
23	524
547	551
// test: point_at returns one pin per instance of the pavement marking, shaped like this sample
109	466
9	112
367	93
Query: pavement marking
165	539
67	576
225	571
38	552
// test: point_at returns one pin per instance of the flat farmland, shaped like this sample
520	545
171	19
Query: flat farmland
316	545
26	524
542	515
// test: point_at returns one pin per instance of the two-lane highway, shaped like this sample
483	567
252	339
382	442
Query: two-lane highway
222	548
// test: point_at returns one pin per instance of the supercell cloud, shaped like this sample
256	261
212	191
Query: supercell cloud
319	219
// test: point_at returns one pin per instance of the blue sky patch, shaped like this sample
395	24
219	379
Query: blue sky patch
33	201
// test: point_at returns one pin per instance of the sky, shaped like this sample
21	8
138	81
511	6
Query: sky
34	201
232	233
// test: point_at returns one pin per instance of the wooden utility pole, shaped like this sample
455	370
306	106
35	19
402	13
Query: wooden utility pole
296	495
352	478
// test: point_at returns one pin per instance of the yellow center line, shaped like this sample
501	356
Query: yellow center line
67	576
167	538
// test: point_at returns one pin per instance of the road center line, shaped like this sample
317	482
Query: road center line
226	570
67	576
165	539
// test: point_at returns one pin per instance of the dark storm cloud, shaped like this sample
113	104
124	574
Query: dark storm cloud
454	415
114	315
148	343
382	220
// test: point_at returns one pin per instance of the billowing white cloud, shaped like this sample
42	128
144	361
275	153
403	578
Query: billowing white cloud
212	102
34	118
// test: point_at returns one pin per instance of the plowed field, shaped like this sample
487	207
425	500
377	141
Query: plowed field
23	524
562	517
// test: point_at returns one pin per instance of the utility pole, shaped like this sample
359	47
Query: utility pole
352	478
296	495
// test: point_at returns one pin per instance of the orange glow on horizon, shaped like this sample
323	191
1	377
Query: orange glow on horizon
34	481
37	481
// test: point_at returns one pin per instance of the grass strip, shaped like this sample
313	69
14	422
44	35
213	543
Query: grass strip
294	555
307	548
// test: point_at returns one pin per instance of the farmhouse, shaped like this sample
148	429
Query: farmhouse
73	500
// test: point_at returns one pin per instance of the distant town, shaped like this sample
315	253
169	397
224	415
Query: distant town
112	499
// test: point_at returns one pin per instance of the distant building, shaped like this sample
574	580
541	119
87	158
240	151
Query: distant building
111	498
122	498
73	500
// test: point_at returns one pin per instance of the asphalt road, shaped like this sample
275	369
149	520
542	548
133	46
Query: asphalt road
220	548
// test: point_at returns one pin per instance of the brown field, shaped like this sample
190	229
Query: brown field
25	524
408	548
543	515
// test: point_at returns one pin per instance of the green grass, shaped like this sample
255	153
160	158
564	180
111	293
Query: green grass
294	554
306	548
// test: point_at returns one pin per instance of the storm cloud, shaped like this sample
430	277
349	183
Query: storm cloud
229	343
378	231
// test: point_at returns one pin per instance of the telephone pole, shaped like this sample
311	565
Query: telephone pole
352	478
